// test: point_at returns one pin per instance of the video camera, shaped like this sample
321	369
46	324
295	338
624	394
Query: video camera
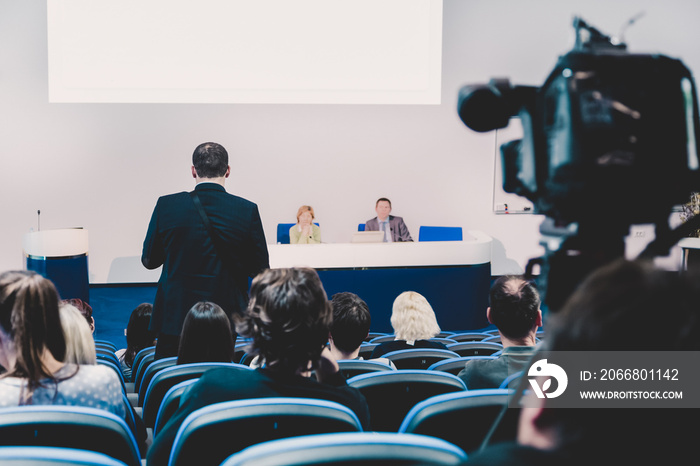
609	141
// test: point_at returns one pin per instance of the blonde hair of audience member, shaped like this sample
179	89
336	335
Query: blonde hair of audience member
80	345
413	318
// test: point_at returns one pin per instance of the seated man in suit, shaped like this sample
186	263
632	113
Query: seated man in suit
515	311
288	318
394	228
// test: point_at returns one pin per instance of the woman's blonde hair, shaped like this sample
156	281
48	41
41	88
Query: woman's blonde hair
80	345
413	318
305	208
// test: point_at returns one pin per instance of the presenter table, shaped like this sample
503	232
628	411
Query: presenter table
454	276
686	245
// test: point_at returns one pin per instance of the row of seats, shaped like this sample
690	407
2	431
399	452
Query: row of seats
460	417
425	233
347	448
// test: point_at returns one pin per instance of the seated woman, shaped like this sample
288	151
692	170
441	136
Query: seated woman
80	346
33	347
206	335
414	323
138	337
305	232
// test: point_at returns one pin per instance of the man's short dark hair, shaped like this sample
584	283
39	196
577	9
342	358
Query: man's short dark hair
288	318
515	303
382	199
351	321
210	160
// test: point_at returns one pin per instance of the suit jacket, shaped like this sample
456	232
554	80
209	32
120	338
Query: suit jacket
399	230
193	270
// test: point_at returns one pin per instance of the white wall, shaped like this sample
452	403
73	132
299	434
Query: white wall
102	166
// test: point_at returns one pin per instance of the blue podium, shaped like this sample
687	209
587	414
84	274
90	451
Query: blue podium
61	256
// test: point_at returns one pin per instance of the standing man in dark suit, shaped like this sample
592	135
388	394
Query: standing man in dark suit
394	227
200	262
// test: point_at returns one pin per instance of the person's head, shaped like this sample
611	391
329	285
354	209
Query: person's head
210	160
288	318
206	335
138	335
515	308
383	208
351	322
85	309
305	214
80	346
30	325
413	318
623	306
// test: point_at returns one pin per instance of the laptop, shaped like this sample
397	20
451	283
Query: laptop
367	237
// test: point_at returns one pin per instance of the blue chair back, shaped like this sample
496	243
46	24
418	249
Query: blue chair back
45	456
243	423
71	427
462	418
351	448
283	232
426	233
361	227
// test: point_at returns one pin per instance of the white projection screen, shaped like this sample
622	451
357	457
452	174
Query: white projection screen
243	51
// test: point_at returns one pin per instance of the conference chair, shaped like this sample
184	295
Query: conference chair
418	358
283	232
361	227
391	394
512	380
106	344
383	338
455	365
366	349
103	353
351	449
494	339
352	367
475	348
71	427
211	434
428	233
165	378
444	340
149	350
151	371
462	418
371	335
170	403
239	350
54	456
470	336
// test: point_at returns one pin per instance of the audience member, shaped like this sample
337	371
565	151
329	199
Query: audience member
414	324
138	336
350	327
288	318
624	306
33	346
80	346
515	311
206	335
305	232
85	309
394	228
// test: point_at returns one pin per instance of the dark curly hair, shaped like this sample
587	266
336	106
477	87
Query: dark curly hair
288	318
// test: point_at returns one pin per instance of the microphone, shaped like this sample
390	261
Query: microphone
38	220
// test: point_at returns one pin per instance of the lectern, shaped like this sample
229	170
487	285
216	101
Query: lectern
61	256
